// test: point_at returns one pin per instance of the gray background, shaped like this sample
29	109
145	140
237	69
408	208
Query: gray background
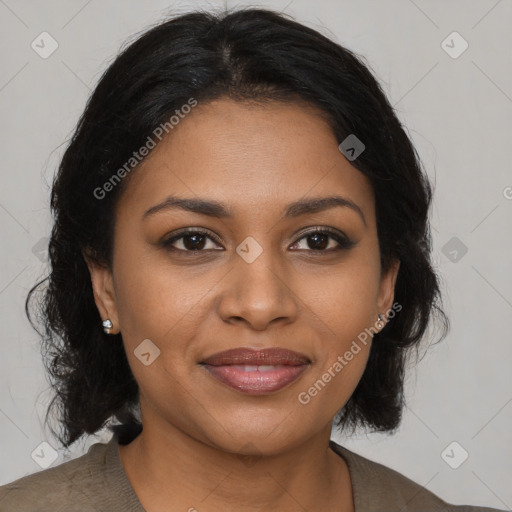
458	112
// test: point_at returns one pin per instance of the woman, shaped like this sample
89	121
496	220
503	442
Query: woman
240	256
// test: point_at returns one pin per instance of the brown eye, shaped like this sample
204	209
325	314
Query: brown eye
323	240
318	240
190	241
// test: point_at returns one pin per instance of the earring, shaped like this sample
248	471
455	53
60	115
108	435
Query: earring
107	325
379	321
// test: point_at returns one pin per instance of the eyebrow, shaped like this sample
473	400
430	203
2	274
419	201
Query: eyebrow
217	209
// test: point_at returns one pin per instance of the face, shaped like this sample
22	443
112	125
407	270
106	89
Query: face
306	280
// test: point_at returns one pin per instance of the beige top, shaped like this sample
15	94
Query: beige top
96	482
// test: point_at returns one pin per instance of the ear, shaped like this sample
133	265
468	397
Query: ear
104	292
387	289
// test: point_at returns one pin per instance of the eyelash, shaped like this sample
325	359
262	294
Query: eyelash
343	241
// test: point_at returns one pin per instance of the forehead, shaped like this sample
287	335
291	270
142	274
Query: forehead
248	155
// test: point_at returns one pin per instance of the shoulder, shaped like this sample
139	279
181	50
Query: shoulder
378	488
70	486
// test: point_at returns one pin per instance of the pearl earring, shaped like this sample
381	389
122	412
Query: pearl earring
379	321
107	325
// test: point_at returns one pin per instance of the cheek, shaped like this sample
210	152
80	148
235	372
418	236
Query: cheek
158	301
344	296
163	306
344	311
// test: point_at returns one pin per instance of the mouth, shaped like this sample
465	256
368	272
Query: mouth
256	372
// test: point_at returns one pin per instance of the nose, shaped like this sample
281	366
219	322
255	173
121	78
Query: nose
258	293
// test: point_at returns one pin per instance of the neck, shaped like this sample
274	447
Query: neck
165	465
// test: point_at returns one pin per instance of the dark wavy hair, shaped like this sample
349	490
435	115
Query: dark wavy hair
245	54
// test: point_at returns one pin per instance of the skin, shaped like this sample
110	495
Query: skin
256	159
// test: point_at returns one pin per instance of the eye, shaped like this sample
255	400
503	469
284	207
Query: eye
196	241
318	240
191	241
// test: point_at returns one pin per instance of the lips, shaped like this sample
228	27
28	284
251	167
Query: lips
256	372
268	356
